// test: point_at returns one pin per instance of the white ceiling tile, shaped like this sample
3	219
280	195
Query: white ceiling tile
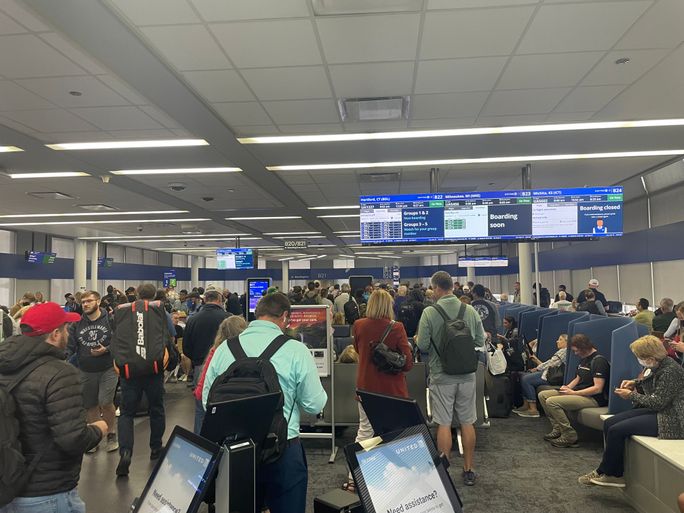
590	98
117	118
25	56
460	4
607	72
580	27
451	105
219	86
21	14
9	26
422	124
372	80
95	93
375	126
50	120
458	75
267	44
187	47
123	89
531	101
156	12
233	10
159	116
473	33
302	112
321	128
547	70
182	133
531	119
569	117
369	38
75	54
660	27
288	83
141	134
65	137
13	97
255	131
242	113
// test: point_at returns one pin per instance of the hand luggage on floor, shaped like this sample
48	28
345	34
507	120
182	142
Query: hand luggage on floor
338	501
499	397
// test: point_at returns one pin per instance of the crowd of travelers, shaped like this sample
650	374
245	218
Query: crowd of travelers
66	373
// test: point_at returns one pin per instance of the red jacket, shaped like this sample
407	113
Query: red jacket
367	332
200	383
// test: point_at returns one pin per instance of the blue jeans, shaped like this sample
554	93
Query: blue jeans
283	484
199	409
65	502
529	383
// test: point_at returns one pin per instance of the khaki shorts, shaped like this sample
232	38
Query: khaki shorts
98	388
447	399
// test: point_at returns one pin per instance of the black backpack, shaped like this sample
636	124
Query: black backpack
141	339
351	311
254	376
458	355
408	316
16	471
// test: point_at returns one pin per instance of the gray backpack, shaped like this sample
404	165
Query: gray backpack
457	354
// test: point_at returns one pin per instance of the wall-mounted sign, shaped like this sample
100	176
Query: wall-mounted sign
295	244
169	279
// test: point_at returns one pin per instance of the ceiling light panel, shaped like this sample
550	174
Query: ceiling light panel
293	233
208	239
80	214
118	145
177	171
337	7
344	207
461	132
482	160
185	237
108	221
9	149
259	218
61	174
338	216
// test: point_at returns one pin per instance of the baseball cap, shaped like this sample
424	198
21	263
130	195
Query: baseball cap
594	282
45	317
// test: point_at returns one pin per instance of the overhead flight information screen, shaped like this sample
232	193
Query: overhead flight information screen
497	215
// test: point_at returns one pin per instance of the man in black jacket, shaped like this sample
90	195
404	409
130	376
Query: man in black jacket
199	335
89	341
50	411
233	303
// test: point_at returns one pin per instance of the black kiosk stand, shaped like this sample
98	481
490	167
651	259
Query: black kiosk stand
240	427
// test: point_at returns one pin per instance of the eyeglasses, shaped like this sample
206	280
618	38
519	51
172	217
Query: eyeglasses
85	301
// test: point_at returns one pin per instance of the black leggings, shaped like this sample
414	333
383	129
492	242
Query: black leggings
617	429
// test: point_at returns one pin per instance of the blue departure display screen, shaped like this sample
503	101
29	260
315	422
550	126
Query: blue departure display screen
40	257
235	258
497	215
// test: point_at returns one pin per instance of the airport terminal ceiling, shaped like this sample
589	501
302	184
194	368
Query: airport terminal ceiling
219	71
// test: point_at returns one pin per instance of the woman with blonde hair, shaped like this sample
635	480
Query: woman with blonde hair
658	398
229	328
378	326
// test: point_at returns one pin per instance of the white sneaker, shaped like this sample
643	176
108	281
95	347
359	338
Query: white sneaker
586	478
112	442
614	482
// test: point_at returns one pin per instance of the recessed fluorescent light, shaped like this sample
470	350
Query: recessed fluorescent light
9	149
257	218
347	231
344	207
177	171
188	237
302	237
61	174
78	214
108	221
292	233
483	160
97	207
321	256
116	145
369	257
350	236
339	215
191	250
184	239
459	132
286	259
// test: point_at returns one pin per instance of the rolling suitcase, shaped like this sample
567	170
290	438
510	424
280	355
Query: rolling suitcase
499	397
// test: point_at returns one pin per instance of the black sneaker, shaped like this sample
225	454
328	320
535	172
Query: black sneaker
124	463
155	453
469	477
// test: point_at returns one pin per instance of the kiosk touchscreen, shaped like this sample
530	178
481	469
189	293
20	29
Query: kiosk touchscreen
388	413
181	476
402	472
256	288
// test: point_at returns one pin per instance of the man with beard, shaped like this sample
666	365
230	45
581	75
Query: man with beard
89	340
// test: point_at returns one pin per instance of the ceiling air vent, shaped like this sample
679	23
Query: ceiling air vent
97	207
336	7
51	195
379	177
374	109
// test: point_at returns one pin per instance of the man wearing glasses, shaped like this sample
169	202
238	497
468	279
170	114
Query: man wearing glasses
88	349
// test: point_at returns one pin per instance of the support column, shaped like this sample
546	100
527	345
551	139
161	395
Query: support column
80	265
524	253
470	274
286	277
94	256
194	271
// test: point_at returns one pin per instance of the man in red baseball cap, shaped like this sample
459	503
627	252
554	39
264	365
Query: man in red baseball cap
47	394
